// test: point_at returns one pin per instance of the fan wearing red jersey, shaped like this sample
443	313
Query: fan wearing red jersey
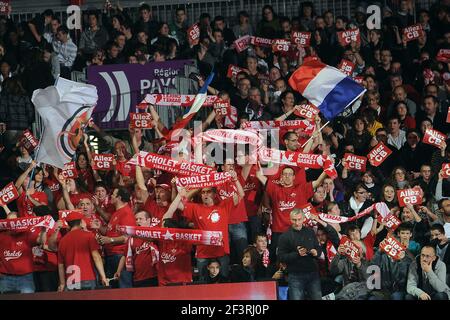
29	197
113	242
143	257
283	197
78	257
16	258
212	217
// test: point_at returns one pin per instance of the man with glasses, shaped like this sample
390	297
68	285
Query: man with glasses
426	277
282	197
240	100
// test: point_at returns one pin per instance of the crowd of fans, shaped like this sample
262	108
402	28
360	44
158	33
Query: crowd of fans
408	92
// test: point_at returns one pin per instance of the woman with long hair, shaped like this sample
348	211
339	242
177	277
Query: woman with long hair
359	137
269	25
399	178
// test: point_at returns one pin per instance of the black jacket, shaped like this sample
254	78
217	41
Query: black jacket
288	253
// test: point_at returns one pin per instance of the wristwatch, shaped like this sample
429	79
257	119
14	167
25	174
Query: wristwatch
112	240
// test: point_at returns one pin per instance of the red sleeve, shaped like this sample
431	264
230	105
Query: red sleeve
93	244
369	240
228	204
42	198
308	189
128	220
188	211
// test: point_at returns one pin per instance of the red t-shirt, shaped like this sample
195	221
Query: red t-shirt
238	214
125	169
87	176
45	260
253	193
25	206
156	212
16	256
214	218
125	217
75	250
284	199
89	220
145	258
107	205
299	172
175	263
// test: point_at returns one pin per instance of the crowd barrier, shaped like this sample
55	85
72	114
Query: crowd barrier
266	290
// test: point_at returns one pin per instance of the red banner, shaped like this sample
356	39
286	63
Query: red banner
70	171
392	247
391	221
230	136
103	161
195	237
433	137
141	120
443	55
281	45
222	108
4	8
156	161
168	100
380	208
28	141
194	33
302	38
261	42
242	43
446	170
359	79
354	162
9	193
62	215
378	154
286	124
204	181
409	196
413	32
346	37
309	210
234	70
307	110
346	67
24	224
352	250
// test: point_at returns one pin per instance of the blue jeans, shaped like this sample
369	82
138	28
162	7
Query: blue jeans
126	277
202	264
299	283
398	295
22	284
83	285
238	239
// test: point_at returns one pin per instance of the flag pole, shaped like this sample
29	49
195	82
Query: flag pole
38	148
312	136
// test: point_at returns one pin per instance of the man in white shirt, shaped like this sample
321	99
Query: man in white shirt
396	137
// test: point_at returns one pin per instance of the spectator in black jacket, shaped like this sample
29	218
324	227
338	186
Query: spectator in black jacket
441	242
299	249
214	275
246	272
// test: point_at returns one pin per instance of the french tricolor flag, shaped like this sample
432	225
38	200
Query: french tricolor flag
200	99
326	87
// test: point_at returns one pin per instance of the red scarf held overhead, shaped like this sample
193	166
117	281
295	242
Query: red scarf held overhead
204	181
195	237
24	224
380	208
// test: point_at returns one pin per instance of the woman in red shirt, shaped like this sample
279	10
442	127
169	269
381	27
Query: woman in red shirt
85	171
406	121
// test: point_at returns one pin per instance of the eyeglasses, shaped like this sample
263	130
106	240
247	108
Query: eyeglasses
427	256
287	174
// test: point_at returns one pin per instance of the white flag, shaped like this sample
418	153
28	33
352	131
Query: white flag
65	110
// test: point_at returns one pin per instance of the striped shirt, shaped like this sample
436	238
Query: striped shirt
66	52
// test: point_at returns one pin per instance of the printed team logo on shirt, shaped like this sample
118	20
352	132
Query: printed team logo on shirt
155	222
144	247
249	186
169	257
287	205
19	243
214	216
37	251
12	255
293	195
225	195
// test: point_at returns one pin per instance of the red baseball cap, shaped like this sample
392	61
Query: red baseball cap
74	215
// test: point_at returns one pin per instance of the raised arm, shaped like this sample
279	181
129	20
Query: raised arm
319	181
23	176
176	204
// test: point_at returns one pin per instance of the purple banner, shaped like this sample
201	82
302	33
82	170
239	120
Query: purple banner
121	87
